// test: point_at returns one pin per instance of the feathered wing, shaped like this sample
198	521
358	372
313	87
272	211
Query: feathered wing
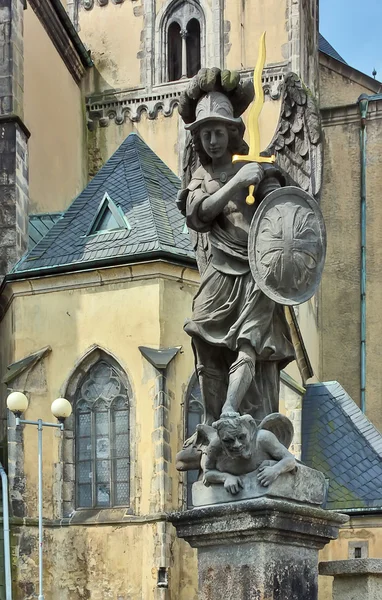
280	426
298	141
199	241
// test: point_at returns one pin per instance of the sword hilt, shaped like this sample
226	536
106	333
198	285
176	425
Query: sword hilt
250	199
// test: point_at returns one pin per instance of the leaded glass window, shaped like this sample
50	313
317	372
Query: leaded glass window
193	418
102	439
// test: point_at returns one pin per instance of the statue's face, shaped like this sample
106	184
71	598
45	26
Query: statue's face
214	138
237	442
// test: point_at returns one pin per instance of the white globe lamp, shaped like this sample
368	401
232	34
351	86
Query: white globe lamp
17	402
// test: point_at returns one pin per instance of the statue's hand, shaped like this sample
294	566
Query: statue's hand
250	174
233	484
267	475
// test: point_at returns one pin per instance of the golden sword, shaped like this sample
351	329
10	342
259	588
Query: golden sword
253	120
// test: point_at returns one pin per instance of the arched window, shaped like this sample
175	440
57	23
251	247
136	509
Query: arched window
193	47
182	32
102	439
194	416
174	52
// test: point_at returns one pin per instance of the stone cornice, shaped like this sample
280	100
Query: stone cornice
97	277
122	105
344	115
88	4
63	35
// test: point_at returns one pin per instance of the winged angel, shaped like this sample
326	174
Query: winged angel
241	337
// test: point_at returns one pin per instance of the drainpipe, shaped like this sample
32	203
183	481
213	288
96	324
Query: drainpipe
7	548
363	108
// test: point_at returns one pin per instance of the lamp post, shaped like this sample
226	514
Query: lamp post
61	409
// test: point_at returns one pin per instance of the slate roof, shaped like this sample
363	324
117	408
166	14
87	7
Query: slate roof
338	440
327	48
145	189
39	225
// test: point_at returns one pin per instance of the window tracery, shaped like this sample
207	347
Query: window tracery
102	439
183	31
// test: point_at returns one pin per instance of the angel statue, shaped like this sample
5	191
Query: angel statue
240	333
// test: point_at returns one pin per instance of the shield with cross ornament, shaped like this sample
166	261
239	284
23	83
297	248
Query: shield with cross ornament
287	246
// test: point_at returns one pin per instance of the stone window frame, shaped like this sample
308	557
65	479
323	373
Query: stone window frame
193	382
181	12
68	453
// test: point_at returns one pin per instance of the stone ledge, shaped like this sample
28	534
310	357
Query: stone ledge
351	567
305	485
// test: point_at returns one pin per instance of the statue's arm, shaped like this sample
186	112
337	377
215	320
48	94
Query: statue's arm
285	461
213	205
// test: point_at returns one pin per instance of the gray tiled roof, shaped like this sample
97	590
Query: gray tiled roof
340	441
145	189
39	225
328	49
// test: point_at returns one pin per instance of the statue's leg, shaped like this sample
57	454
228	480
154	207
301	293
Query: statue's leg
212	375
241	376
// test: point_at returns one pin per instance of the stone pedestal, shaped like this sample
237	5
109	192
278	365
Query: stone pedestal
356	579
258	549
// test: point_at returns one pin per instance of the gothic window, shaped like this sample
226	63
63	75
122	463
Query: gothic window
174	52
193	47
182	40
102	439
194	415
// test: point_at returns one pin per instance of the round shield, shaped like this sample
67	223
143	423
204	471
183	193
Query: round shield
287	246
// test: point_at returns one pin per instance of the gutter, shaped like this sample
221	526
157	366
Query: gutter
363	108
83	53
363	105
7	549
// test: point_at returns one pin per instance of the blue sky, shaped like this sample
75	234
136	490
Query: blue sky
354	29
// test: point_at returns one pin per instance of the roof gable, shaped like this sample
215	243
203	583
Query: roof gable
339	441
144	189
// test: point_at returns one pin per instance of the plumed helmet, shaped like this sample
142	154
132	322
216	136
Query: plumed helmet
214	106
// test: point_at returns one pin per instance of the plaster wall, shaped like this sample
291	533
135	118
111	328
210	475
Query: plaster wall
337	89
339	306
122	555
114	34
53	106
247	21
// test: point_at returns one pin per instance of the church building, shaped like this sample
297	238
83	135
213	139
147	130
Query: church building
98	275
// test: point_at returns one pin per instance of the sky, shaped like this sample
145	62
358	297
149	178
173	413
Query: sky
354	29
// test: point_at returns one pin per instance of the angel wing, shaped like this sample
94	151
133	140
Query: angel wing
280	426
297	142
199	241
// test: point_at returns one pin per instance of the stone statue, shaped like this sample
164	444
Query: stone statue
240	335
234	446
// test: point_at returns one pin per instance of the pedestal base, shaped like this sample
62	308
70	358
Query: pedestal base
355	579
261	549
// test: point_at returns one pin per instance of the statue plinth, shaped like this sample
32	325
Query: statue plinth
259	549
304	485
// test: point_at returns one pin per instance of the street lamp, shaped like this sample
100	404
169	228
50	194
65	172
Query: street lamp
61	409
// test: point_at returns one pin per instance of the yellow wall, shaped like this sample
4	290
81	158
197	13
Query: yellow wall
336	88
54	114
339	304
256	16
113	33
145	305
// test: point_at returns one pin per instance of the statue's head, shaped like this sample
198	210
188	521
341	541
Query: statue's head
237	435
215	129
